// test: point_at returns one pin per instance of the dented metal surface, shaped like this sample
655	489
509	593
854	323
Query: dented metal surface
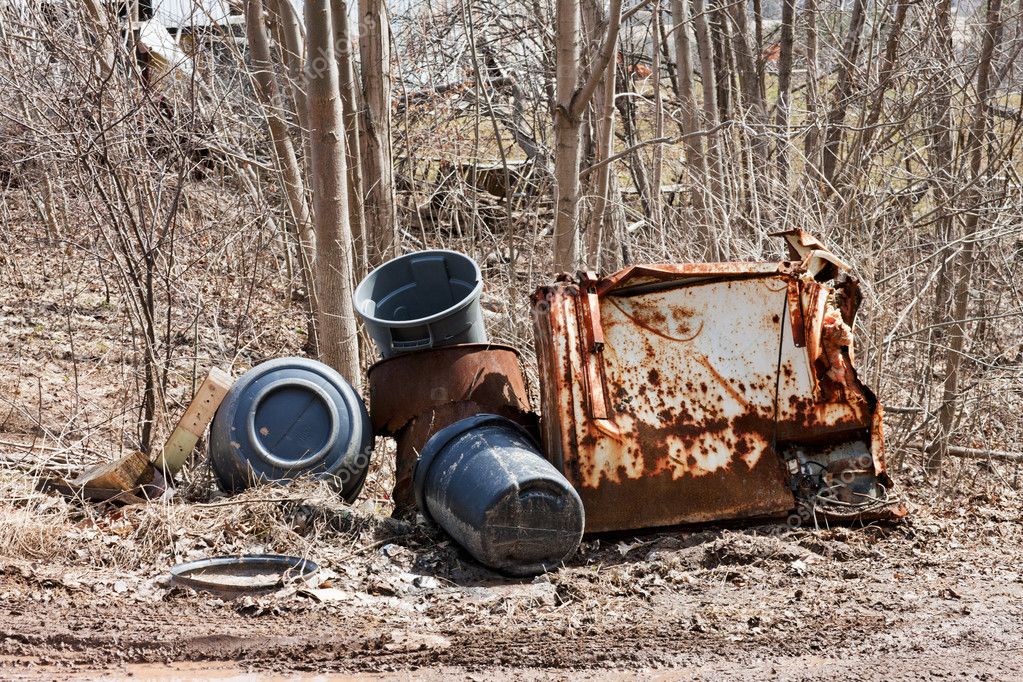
688	393
413	396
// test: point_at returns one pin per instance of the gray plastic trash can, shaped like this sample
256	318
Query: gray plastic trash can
287	418
422	300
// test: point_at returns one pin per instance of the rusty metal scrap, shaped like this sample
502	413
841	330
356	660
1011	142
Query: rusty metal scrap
688	393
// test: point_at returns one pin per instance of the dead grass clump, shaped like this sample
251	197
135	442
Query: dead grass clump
295	519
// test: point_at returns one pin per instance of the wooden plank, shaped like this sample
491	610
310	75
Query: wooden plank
65	488
126	473
194	422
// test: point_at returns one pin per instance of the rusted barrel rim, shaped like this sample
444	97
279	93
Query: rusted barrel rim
444	349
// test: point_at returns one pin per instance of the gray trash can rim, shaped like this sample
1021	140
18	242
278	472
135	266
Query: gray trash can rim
419	321
443	438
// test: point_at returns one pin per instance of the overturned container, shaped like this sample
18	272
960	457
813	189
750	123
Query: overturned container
689	393
422	300
484	481
287	418
414	395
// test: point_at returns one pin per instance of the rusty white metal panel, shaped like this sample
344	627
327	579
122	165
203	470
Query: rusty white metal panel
665	396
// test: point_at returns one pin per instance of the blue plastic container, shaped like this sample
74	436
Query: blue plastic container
287	418
484	481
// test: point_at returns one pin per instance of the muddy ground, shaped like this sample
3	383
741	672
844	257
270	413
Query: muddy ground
939	595
84	592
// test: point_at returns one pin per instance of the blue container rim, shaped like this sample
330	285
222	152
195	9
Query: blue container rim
419	321
310	459
235	473
443	438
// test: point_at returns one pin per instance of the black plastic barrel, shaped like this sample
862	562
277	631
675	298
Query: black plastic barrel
422	300
287	418
483	480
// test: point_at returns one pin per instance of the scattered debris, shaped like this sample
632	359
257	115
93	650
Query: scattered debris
133	479
671	394
130	479
508	179
194	422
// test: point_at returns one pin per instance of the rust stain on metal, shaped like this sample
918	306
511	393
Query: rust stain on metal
594	346
715	387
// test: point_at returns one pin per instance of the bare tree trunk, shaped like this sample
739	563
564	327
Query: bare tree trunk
566	136
339	345
289	36
690	115
975	141
758	47
99	24
350	107
572	100
810	142
941	172
708	82
722	73
605	125
378	173
753	112
861	147
604	199
683	75
657	154
627	111
284	151
843	89
788	15
746	65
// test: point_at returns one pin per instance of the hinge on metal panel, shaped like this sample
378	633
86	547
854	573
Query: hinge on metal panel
591	311
795	306
594	345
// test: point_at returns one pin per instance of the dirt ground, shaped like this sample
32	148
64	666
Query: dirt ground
84	591
939	595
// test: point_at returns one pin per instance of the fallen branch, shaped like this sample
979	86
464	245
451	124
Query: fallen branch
619	155
899	409
976	453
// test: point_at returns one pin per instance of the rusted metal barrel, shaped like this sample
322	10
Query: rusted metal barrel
484	481
413	396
